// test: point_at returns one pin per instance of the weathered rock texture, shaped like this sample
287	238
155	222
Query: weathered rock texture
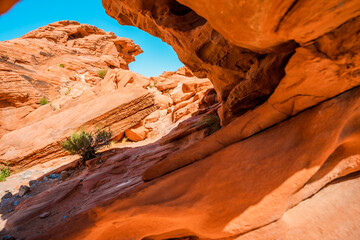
83	73
241	46
41	141
268	186
256	178
285	165
60	62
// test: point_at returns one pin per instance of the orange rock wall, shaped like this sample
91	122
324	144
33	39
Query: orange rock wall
241	46
285	164
268	186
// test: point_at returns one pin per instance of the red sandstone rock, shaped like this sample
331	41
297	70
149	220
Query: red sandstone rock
58	62
153	117
163	101
179	96
230	175
165	84
276	170
185	71
241	47
40	142
137	133
300	21
204	50
196	85
120	78
5	5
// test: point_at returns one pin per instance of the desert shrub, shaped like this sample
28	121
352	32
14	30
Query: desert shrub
153	85
102	72
4	173
68	91
86	144
44	101
212	121
62	65
53	107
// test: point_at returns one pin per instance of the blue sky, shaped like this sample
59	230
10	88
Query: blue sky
28	15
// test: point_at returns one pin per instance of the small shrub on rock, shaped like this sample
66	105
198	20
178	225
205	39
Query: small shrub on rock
212	121
44	101
4	173
102	72
86	144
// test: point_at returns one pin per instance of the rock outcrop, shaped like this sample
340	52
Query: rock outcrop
41	141
58	62
64	76
268	186
81	73
241	47
284	165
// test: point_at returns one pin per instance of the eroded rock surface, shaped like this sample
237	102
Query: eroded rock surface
58	62
259	187
66	75
41	141
242	47
285	161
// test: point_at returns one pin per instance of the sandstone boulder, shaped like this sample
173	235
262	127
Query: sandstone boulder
196	85
165	84
23	190
137	133
163	101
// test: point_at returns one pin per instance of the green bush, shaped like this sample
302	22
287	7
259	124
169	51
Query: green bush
62	65
86	144
44	101
68	91
102	72
212	121
4	173
153	85
53	107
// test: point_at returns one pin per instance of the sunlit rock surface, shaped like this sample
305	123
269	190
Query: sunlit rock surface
241	46
59	62
285	164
